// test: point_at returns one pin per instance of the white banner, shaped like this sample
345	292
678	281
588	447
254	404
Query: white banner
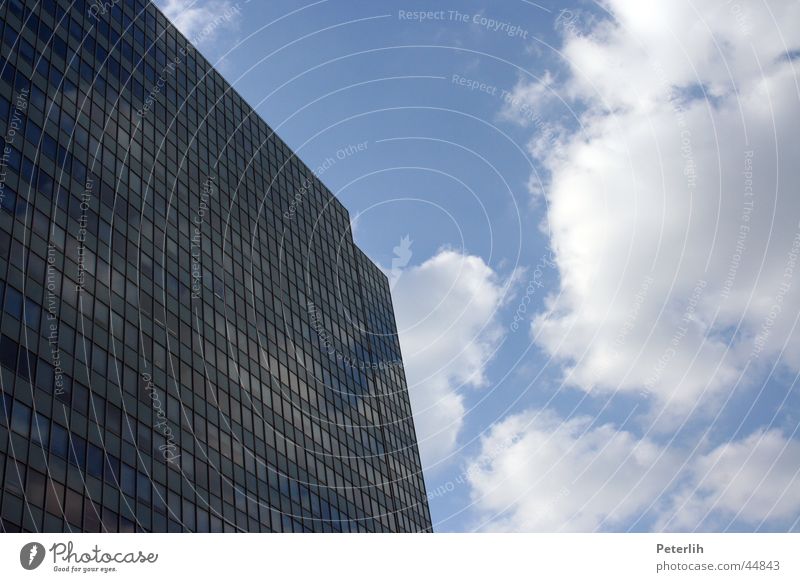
501	557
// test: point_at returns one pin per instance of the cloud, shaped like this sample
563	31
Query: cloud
446	312
537	472
201	21
523	104
755	480
669	206
676	233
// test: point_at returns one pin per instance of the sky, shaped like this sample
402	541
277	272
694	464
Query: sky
589	217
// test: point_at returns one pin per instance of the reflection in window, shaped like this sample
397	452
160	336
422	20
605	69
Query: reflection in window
13	303
128	480
21	419
40	433
59	441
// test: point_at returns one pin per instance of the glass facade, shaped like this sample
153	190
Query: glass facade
190	339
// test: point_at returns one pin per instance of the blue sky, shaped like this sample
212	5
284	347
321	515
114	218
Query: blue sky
597	299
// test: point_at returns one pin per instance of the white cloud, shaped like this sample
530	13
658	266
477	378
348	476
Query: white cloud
537	472
201	21
446	312
659	255
523	104
675	226
755	480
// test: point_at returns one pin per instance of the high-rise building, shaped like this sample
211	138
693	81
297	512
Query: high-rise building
191	340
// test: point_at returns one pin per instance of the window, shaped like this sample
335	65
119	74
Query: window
32	313
80	399
26	364
35	488
54	502
99	360
21	419
8	353
63	388
77	451
40	432
8	201
128	480
59	441
26	50
113	418
45	180
33	133
73	507
15	475
38	97
111	468
59	47
13	303
44	375
94	461
144	488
